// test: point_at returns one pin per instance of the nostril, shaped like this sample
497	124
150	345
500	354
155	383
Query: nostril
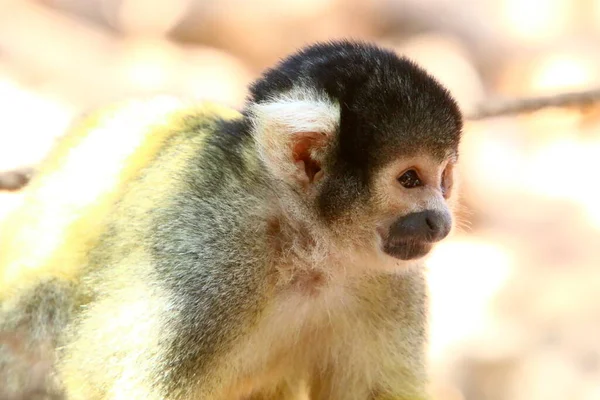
430	224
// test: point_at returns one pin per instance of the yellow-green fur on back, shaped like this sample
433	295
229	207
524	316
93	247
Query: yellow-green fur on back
90	177
66	204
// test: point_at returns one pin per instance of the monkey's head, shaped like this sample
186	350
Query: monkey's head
363	142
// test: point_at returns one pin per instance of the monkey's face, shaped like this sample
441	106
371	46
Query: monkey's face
411	205
367	141
398	211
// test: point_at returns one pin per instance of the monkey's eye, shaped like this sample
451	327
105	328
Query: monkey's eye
410	179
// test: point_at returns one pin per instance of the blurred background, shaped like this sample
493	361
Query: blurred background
516	291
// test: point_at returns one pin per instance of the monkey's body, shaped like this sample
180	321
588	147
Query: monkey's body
296	323
167	264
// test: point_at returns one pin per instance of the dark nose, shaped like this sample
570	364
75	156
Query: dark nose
428	225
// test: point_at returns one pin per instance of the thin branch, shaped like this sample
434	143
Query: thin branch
15	179
490	109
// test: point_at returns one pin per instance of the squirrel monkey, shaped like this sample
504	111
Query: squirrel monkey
175	251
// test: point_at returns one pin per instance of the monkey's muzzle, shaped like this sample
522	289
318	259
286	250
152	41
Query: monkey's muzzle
412	236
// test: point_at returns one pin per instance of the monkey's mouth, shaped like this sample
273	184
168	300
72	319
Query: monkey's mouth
406	249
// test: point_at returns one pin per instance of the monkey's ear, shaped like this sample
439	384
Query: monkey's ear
305	154
294	136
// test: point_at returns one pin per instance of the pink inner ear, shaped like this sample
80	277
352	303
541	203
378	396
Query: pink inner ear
301	151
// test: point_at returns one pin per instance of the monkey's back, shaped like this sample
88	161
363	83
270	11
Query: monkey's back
94	167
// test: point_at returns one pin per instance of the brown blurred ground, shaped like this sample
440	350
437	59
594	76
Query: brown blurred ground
516	291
